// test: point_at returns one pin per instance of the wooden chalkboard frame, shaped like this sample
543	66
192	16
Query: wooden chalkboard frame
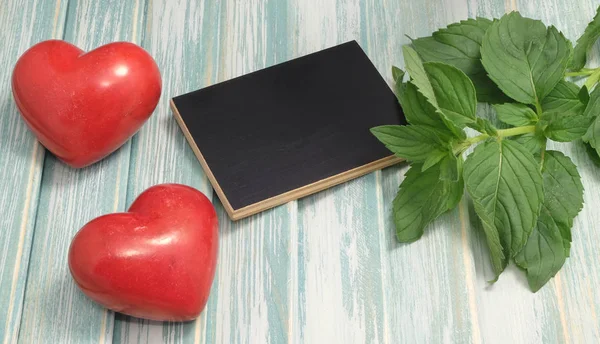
323	184
309	188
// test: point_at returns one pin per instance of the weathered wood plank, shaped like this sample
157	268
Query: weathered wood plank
54	310
574	294
429	285
22	24
183	37
508	311
336	281
252	285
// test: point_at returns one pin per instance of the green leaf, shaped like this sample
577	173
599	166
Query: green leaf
564	98
399	86
592	135
411	142
544	254
418	111
525	59
446	88
433	159
417	108
532	142
454	92
397	74
421	199
459	45
457	188
565	128
592	110
564	190
548	246
505	183
483	125
515	114
449	168
585	42
584	95
419	77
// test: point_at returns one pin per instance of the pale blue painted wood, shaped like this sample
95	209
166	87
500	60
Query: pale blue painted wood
279	270
54	310
22	24
429	285
184	39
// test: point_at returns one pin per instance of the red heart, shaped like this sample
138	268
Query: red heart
83	106
156	261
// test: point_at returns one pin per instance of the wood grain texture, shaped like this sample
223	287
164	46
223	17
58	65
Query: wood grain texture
22	24
429	285
182	36
326	268
54	310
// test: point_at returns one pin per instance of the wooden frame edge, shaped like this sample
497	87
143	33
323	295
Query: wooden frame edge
269	203
315	187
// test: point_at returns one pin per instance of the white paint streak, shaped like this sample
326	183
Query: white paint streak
293	321
382	248
469	276
22	231
561	308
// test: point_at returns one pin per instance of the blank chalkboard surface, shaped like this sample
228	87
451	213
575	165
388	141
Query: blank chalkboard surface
290	130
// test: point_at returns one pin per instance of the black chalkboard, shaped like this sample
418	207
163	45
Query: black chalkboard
290	130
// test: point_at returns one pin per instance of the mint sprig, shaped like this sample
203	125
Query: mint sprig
525	195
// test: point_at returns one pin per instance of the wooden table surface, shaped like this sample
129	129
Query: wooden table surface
324	269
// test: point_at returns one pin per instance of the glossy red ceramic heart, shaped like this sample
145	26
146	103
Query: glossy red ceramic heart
83	106
157	261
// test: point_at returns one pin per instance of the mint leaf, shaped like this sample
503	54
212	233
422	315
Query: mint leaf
505	183
532	142
564	98
544	254
412	142
418	111
585	42
483	125
399	86
584	95
592	110
454	92
449	167
565	128
564	191
397	74
419	77
459	45
421	199
515	114
548	246
592	135
433	159
525	59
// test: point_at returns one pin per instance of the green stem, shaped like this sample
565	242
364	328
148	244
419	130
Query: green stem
460	148
580	73
592	80
516	131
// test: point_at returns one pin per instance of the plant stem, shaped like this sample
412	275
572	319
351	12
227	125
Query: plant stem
583	72
592	80
516	131
460	148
